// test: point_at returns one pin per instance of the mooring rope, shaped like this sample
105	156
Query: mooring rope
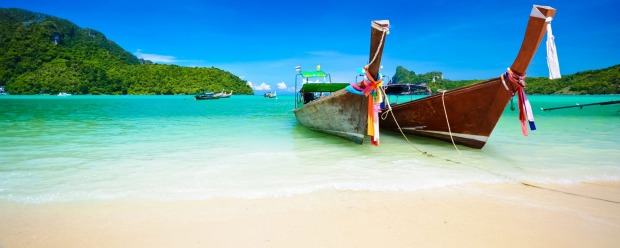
385	31
569	193
528	184
521	182
384	116
443	92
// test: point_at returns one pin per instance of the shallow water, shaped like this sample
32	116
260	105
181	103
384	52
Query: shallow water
173	147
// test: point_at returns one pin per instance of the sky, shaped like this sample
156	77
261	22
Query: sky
263	41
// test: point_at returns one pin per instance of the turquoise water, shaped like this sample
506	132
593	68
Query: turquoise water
173	147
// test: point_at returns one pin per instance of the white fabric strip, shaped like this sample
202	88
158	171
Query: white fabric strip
528	108
552	53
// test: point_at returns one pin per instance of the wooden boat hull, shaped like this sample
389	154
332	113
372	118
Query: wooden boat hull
341	113
472	113
469	114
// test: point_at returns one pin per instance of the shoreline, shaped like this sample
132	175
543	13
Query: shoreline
486	215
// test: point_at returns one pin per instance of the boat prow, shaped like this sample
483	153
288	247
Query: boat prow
468	115
329	108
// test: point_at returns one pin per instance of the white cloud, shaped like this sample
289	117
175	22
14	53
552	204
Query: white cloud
282	85
156	58
262	86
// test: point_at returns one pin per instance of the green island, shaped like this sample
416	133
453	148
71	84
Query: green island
43	54
591	82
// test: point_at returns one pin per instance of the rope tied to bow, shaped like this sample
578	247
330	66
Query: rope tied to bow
368	88
525	109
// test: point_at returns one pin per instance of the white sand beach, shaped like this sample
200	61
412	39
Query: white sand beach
500	215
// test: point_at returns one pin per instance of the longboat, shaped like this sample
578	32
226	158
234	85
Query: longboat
271	95
467	115
336	108
206	96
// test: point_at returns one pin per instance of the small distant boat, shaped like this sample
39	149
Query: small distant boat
206	96
406	89
468	115
63	94
271	95
2	92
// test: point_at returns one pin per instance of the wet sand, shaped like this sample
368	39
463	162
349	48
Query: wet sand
500	215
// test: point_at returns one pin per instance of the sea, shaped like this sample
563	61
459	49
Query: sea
81	148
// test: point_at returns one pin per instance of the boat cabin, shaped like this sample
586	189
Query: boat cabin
314	85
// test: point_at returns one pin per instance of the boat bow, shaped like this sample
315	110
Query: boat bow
343	113
468	115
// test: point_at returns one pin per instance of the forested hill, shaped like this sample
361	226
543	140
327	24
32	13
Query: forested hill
42	54
603	81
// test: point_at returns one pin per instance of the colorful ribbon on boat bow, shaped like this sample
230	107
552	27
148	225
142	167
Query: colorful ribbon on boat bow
369	84
368	88
525	109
